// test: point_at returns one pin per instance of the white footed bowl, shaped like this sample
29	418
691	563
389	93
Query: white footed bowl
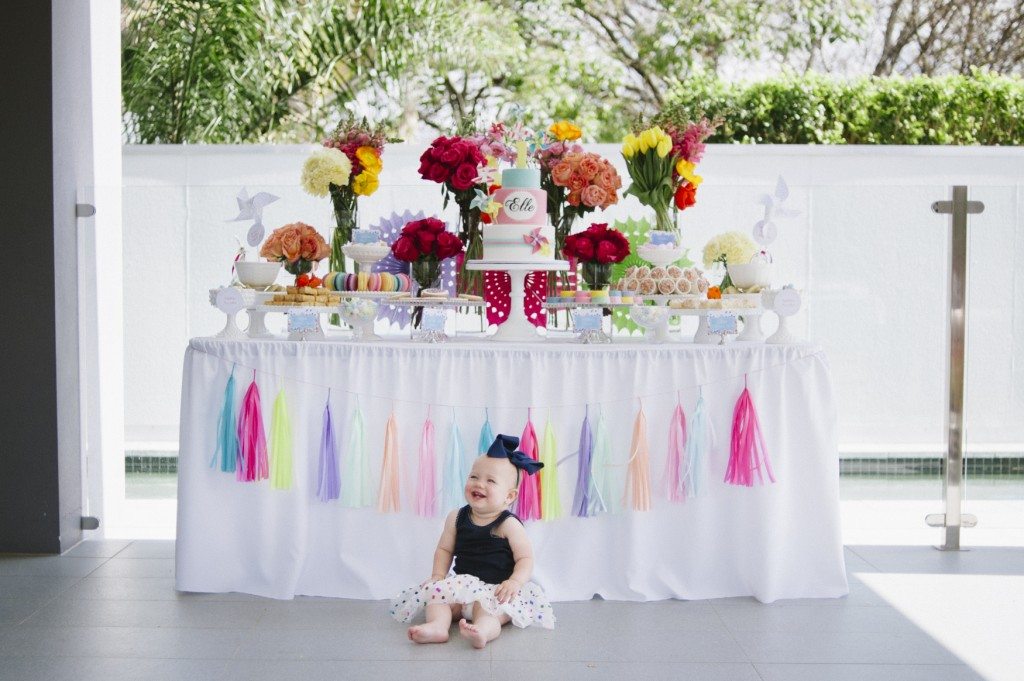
751	274
257	273
659	256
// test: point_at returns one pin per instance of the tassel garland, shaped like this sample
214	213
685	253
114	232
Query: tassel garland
550	501
674	463
426	486
581	500
639	465
280	445
698	443
356	488
388	495
486	436
747	451
603	498
252	440
455	471
227	431
528	505
328	482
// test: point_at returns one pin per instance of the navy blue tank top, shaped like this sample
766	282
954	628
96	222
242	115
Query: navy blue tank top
480	553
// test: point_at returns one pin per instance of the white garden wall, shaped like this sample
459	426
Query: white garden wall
866	248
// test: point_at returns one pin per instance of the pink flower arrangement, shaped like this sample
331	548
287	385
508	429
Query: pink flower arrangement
591	180
688	143
295	243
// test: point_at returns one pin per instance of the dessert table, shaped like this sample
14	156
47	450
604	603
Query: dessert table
770	541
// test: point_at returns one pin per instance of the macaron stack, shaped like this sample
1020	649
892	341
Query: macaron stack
383	282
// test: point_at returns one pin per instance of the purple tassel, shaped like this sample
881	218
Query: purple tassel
328	482
584	485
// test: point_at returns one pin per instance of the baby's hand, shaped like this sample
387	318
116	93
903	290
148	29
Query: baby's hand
433	578
507	590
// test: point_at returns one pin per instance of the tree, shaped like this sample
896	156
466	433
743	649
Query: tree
239	70
933	37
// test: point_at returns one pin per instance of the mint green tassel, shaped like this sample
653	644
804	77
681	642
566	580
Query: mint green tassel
604	477
356	486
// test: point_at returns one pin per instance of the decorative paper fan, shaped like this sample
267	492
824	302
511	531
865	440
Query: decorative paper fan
390	227
497	294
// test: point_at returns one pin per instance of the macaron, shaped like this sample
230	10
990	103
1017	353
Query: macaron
567	294
351	283
329	281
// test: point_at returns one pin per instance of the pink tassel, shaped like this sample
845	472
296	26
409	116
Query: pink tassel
252	440
674	465
639	471
387	497
747	451
426	489
528	504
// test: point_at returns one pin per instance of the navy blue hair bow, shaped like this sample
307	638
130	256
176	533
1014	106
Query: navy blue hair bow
504	447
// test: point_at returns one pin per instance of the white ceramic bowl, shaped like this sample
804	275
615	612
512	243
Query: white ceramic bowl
257	273
660	256
751	274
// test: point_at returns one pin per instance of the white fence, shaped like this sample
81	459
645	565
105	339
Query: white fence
866	248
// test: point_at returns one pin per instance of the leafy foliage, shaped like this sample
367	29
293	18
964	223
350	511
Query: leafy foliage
979	108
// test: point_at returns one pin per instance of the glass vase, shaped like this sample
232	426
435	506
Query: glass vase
664	222
298	267
597	275
346	219
469	281
563	227
426	272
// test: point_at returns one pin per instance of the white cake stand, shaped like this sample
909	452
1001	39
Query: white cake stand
517	327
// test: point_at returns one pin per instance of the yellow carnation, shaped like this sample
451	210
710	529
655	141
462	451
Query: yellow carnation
369	158
685	170
365	183
737	247
565	131
324	167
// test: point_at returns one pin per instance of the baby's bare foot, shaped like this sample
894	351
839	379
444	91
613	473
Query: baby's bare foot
421	633
472	634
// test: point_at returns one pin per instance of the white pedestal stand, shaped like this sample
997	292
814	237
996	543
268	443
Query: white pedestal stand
257	325
751	326
517	327
230	330
783	335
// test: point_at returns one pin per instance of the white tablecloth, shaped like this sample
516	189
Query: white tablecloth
779	540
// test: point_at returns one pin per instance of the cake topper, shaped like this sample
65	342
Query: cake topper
251	208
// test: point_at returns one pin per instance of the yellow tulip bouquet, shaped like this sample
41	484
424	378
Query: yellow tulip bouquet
650	163
345	168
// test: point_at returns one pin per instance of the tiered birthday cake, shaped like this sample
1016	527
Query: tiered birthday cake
520	233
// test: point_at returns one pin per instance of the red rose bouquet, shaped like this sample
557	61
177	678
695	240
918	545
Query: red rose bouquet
297	245
425	243
597	248
456	163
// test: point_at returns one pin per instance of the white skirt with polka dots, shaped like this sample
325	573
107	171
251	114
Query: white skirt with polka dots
530	607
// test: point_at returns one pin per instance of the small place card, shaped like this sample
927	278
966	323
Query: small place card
229	300
433	319
722	322
301	321
587	319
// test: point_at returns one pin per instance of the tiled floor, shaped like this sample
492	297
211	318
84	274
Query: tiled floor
108	610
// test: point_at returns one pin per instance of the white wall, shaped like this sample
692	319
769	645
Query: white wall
866	247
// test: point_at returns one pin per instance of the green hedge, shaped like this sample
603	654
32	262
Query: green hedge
974	109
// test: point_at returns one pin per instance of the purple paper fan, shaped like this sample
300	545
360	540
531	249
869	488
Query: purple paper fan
390	228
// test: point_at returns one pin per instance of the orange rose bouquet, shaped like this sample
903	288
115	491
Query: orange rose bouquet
591	182
297	245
